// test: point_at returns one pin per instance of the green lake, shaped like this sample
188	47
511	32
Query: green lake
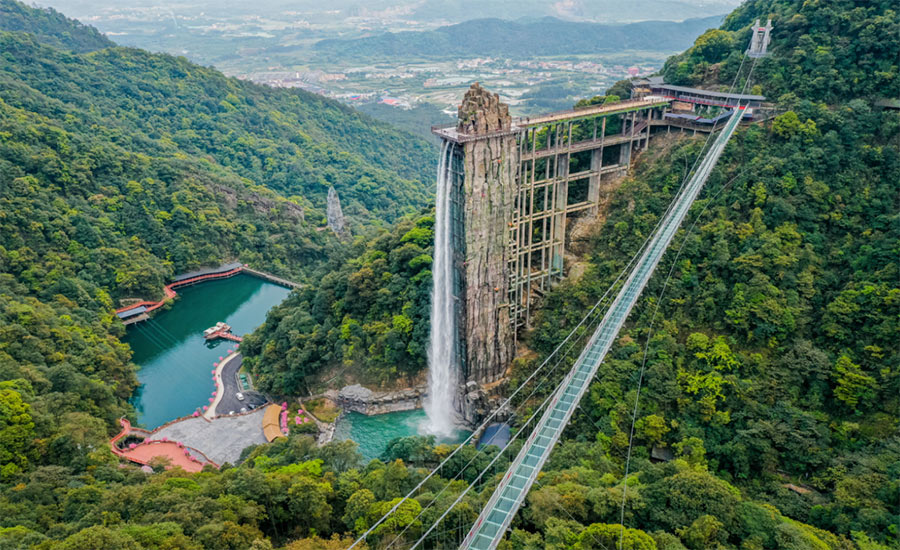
175	361
372	433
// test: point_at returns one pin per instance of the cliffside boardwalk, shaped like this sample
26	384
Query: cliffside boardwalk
498	513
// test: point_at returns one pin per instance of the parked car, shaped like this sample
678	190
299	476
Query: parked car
240	396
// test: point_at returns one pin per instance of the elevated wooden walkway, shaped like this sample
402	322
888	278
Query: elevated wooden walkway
271	278
139	311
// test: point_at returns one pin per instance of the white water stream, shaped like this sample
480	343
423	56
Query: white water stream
443	371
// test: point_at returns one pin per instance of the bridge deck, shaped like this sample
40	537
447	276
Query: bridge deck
521	123
498	513
615	108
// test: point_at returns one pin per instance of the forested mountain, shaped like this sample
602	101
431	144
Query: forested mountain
824	51
119	168
51	27
369	315
771	372
291	141
501	38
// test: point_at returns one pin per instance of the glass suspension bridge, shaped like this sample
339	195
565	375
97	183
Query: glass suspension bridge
500	509
497	515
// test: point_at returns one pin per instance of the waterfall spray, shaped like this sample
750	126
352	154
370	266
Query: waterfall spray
443	372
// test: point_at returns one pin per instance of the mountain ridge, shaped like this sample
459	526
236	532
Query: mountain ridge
51	27
498	37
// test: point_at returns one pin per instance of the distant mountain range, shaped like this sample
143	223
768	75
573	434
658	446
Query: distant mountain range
545	36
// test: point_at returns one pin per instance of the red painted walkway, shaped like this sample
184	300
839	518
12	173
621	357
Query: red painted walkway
169	289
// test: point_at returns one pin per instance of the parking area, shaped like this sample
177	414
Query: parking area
222	439
233	384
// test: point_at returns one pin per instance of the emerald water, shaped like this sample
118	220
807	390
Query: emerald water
372	433
176	362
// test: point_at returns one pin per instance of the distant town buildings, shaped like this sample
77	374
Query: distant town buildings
439	82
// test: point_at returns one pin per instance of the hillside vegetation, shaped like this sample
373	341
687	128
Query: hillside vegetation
119	168
51	27
771	373
367	317
824	50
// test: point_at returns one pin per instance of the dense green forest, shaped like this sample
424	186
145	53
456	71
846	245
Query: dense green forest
771	372
368	316
826	50
498	37
119	168
291	141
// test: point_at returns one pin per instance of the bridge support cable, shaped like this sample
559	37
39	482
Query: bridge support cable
586	321
499	511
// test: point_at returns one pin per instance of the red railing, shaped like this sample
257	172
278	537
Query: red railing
169	289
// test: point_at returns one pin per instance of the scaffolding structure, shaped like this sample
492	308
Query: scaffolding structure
564	161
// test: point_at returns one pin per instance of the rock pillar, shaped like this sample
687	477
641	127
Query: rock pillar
489	167
334	215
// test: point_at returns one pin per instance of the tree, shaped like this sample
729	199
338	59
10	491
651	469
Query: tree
705	532
676	501
98	537
316	543
16	431
652	428
713	45
600	536
852	385
405	519
227	535
309	504
356	510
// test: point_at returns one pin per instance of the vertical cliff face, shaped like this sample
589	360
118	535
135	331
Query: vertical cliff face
489	184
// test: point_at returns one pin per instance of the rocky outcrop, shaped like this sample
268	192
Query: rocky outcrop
334	215
264	204
478	402
363	400
481	112
488	188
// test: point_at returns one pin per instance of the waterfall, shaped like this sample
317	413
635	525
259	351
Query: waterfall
443	372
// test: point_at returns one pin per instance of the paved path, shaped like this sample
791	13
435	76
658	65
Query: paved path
222	439
227	387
